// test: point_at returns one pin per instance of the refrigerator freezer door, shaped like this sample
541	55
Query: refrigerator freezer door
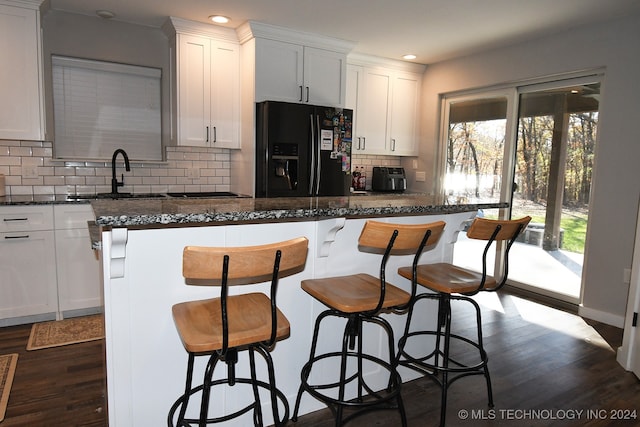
283	142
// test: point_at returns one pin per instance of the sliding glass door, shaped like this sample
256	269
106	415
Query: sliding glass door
534	148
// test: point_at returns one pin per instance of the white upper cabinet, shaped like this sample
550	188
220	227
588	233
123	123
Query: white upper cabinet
206	86
404	114
296	67
278	68
324	77
21	109
386	104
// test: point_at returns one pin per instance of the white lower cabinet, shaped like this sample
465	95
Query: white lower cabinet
27	273
78	269
47	266
27	261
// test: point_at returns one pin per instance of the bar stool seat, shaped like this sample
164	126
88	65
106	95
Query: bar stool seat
219	328
360	299
354	293
453	283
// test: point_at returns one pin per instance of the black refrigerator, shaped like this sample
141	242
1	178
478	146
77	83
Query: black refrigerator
302	150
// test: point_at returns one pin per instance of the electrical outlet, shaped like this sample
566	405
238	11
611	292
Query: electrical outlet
626	276
414	164
421	176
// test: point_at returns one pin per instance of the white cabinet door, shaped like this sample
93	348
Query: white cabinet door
404	115
21	112
324	77
208	92
352	97
225	95
291	72
279	71
374	111
194	90
27	274
78	269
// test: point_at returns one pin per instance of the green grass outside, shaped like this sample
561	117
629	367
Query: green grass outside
575	231
574	226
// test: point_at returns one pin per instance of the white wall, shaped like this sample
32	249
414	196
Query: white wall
616	183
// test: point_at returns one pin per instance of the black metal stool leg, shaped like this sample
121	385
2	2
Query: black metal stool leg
187	389
445	306
206	390
312	353
483	354
257	410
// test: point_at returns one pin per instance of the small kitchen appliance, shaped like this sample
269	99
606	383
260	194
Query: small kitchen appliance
388	179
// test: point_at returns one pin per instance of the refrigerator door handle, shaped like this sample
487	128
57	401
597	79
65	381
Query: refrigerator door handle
313	153
318	164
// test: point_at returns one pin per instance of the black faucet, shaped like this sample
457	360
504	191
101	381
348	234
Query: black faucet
114	181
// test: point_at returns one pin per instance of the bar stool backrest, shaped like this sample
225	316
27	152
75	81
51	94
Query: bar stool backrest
496	230
376	236
203	265
397	239
483	228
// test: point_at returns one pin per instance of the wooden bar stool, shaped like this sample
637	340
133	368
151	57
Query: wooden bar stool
449	282
359	299
221	327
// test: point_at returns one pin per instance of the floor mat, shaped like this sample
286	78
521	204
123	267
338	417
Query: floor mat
68	331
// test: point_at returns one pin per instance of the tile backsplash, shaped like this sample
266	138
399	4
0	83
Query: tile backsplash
29	169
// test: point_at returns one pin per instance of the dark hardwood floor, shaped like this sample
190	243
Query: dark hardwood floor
61	386
549	368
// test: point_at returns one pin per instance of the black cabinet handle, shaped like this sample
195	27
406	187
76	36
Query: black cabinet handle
15	219
25	236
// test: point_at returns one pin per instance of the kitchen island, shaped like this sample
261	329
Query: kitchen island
141	256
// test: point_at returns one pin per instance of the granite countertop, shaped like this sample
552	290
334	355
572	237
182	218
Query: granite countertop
162	212
44	199
154	213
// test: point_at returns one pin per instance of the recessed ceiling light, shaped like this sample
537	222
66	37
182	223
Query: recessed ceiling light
409	56
219	19
105	14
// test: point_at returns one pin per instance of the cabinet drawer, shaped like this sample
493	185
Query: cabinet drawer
72	216
26	218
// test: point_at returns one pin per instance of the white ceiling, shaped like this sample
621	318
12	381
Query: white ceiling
433	30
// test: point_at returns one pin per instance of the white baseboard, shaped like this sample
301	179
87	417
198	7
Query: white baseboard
601	316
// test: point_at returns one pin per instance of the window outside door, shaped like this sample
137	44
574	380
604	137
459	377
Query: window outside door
540	160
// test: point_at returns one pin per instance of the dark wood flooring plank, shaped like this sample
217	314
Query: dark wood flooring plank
541	359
